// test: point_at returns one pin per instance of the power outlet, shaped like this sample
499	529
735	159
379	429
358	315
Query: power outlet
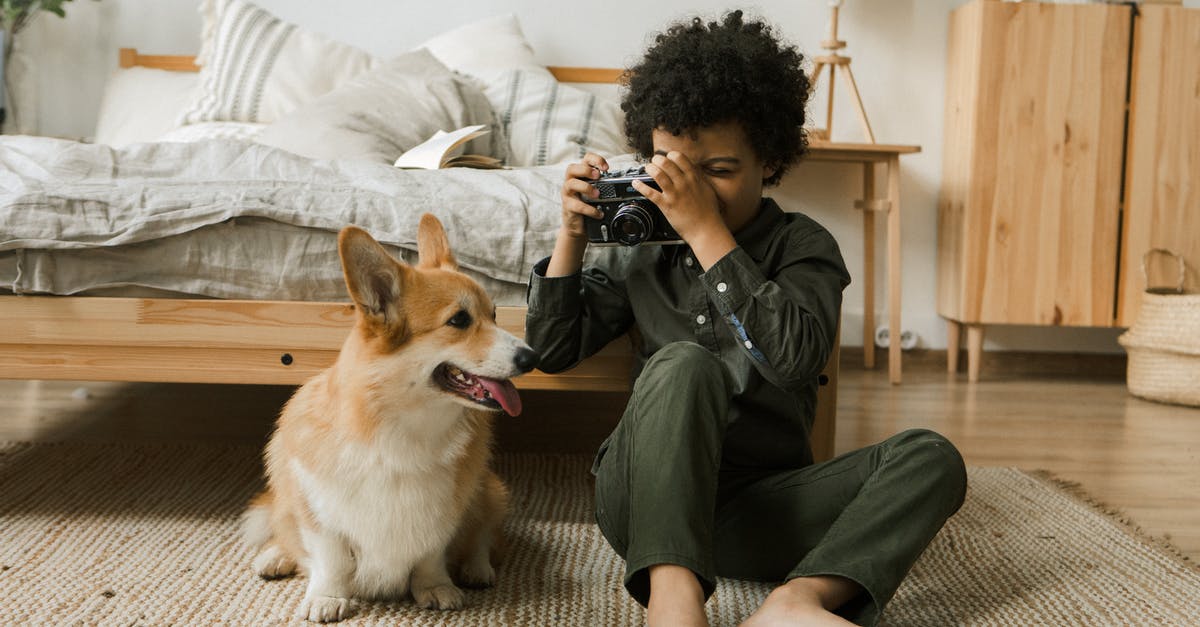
908	339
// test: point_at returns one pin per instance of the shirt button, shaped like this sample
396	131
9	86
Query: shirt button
749	344
700	319
721	287
687	261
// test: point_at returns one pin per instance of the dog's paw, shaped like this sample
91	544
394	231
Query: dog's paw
273	563
477	575
325	609
445	596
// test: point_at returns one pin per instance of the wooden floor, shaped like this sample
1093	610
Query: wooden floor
1140	457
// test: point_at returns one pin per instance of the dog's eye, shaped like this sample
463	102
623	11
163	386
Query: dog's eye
460	320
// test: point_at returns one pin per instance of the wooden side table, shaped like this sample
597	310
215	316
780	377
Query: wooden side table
871	155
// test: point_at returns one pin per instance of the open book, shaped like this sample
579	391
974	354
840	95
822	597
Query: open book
444	150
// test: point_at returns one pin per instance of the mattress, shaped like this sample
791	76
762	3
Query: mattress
249	259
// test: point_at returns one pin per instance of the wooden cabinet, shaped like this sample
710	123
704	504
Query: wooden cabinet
1162	172
1038	161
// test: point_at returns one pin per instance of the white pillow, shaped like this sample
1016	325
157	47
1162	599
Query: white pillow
486	48
256	67
201	131
140	104
382	113
548	122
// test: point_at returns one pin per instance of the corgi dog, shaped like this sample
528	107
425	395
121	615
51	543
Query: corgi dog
378	472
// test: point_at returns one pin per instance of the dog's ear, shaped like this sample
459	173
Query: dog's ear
433	248
373	277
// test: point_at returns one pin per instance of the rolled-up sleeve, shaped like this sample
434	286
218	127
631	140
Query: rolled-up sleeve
569	318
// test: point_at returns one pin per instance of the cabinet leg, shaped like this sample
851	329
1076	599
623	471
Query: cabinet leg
974	351
953	336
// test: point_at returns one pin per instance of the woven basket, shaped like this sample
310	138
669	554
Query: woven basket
1164	343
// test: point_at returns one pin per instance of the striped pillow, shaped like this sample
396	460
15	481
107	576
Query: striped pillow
548	122
256	67
382	113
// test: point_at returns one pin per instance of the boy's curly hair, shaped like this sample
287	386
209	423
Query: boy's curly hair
696	75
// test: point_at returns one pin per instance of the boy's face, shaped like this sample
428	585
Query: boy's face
724	157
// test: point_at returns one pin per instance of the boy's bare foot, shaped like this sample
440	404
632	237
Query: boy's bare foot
803	601
676	598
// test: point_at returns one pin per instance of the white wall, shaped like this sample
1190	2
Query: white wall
897	46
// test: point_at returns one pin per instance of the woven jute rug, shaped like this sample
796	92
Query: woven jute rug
146	534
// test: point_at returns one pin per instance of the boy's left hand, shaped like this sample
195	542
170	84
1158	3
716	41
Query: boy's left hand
687	199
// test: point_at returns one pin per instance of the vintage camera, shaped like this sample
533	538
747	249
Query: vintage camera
629	217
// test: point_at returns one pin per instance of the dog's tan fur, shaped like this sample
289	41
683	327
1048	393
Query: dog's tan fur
378	480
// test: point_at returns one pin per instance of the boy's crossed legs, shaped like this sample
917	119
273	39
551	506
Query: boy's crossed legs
843	533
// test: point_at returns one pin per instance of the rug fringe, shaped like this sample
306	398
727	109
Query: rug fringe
1077	491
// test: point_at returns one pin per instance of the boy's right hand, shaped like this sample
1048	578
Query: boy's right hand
578	183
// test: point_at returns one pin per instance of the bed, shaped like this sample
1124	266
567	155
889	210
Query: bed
66	317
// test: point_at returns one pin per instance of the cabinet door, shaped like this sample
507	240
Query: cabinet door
1162	173
1042	215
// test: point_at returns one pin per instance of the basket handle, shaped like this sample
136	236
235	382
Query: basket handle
1182	272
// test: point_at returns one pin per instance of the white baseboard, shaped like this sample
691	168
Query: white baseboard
931	332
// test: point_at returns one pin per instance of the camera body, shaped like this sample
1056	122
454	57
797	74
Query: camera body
629	217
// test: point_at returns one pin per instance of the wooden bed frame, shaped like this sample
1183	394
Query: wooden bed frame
200	340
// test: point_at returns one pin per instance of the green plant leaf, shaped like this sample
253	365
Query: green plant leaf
12	11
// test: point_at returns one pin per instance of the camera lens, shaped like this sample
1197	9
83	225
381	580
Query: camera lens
632	224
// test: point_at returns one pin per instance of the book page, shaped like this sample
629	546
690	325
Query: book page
480	162
432	153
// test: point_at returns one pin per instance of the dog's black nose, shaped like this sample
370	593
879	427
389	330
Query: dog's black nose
525	359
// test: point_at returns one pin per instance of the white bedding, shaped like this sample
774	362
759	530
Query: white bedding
212	209
235	219
201	131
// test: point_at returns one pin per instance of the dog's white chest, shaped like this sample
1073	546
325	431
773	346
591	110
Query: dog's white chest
385	512
391	522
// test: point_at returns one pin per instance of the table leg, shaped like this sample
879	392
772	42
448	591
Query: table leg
893	252
868	266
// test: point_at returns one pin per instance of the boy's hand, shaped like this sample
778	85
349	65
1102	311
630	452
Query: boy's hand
577	184
689	202
571	242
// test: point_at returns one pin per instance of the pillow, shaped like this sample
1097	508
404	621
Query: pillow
201	131
256	67
549	122
140	104
382	113
486	48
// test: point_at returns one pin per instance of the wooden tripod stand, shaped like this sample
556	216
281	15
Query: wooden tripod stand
836	63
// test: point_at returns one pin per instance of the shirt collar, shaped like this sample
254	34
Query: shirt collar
756	236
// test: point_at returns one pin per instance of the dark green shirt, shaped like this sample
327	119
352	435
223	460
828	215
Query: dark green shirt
769	309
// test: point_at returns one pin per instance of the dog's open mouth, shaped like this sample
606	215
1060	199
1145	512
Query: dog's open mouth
491	393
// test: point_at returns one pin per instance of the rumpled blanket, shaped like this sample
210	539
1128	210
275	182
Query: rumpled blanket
64	195
233	219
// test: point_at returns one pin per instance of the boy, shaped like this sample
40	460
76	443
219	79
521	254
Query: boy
710	471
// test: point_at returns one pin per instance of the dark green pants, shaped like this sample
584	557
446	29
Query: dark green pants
664	497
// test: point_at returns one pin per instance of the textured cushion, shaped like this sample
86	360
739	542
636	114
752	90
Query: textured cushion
548	122
256	67
202	131
384	112
140	104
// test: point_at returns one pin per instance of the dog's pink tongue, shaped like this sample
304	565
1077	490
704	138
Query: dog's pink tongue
505	393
